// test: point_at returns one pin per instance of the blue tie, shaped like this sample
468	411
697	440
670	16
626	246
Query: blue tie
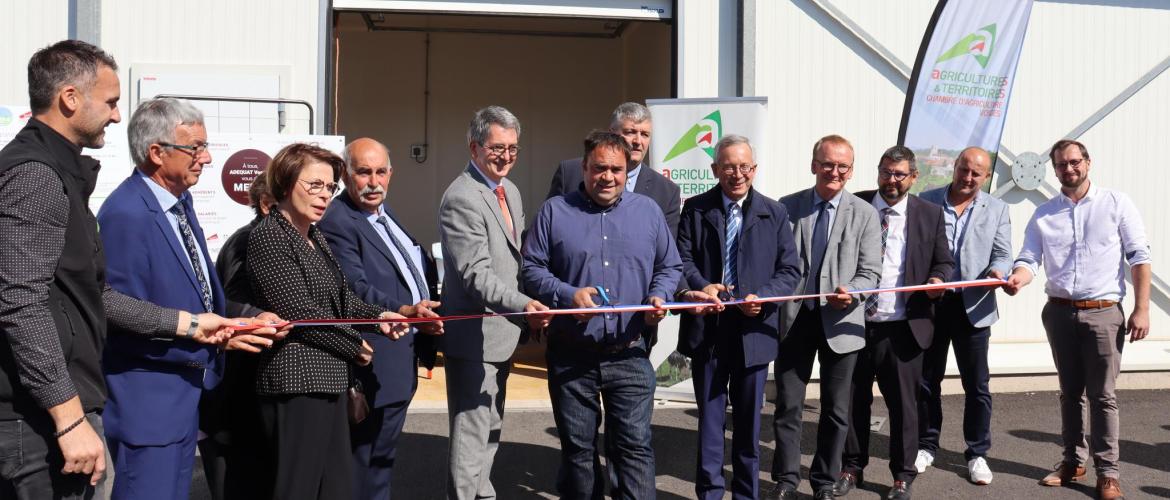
193	254
411	267
731	246
820	242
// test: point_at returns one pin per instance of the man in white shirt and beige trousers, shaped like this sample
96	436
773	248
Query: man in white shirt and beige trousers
1084	237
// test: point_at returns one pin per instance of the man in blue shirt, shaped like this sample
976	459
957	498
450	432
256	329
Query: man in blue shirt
604	245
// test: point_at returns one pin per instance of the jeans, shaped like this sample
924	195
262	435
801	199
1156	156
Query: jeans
578	381
31	462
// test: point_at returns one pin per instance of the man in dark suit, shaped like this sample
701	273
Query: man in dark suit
632	121
156	251
839	246
899	327
734	242
385	266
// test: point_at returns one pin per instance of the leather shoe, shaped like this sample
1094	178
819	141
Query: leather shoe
900	491
1108	488
847	482
825	493
1064	473
779	492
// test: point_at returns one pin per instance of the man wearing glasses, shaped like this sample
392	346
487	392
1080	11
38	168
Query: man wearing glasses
480	219
838	242
734	243
1081	237
898	326
155	251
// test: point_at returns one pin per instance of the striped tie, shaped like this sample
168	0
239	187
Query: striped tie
871	300
731	246
193	254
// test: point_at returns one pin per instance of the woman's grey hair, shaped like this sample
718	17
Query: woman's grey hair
154	121
481	123
628	111
731	140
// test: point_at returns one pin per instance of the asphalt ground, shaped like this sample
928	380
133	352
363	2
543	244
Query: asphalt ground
1025	445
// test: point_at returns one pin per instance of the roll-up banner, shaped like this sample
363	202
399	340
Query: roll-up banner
962	82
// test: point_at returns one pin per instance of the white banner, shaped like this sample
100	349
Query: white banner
962	82
686	130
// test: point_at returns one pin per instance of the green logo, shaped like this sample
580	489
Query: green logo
5	116
703	135
978	44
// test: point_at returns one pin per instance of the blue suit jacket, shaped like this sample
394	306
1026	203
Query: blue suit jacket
370	269
767	265
154	384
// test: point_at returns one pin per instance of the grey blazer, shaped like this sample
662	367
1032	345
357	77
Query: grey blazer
987	246
481	263
853	259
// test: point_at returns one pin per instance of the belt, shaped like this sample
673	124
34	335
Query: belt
1083	304
595	348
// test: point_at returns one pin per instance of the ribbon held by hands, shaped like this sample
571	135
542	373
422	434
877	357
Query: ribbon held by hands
670	306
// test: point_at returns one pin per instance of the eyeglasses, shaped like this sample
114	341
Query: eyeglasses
828	166
897	176
500	149
1074	163
195	149
742	168
315	186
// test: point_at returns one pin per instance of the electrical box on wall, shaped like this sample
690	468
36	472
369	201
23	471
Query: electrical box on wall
418	152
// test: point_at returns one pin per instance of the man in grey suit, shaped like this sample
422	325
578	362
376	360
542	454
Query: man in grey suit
839	247
980	236
480	218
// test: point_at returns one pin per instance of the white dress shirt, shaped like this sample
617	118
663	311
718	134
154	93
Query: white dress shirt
1084	245
892	306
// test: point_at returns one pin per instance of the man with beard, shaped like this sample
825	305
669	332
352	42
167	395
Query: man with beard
597	246
1081	237
898	326
385	266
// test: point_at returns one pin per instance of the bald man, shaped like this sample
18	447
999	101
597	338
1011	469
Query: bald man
979	234
387	267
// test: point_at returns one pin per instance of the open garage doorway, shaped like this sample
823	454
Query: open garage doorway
413	81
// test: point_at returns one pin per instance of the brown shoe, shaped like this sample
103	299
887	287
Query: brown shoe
1063	474
1108	488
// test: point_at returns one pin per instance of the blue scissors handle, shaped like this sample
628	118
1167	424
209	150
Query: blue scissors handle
601	293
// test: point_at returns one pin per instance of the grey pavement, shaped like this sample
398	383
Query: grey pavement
1025	445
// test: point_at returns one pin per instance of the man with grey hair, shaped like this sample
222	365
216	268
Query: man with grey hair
734	243
157	253
633	122
480	219
52	272
385	266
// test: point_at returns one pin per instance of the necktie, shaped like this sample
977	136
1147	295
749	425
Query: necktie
411	268
504	209
820	242
871	300
193	253
731	246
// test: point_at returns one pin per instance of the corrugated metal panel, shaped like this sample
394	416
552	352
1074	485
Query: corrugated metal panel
820	79
217	32
28	27
707	48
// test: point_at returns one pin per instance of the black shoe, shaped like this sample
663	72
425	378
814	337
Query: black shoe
779	492
900	491
847	482
825	493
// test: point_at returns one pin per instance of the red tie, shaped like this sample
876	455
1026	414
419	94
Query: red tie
504	209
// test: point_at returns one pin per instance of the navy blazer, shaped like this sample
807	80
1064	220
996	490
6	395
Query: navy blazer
767	265
665	193
154	383
928	255
370	269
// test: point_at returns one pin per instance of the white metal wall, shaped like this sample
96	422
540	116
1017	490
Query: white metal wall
707	44
822	77
28	26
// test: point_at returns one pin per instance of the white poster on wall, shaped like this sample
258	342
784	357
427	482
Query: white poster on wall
686	131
